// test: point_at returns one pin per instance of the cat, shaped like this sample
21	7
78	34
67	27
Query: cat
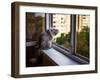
45	38
44	42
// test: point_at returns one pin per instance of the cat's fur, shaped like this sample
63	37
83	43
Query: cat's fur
45	38
44	42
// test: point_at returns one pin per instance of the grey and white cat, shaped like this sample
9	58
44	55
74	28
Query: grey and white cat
45	38
44	42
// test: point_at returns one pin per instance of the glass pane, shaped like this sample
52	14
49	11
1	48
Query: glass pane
35	23
83	35
62	23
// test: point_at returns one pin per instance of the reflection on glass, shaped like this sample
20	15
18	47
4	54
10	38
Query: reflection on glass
62	23
34	25
83	35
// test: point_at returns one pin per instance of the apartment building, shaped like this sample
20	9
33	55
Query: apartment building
62	23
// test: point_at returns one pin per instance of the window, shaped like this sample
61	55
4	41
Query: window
73	33
63	37
83	36
54	21
61	18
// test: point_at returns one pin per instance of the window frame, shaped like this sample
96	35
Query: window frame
73	42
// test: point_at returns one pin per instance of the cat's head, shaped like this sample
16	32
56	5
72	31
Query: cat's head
52	32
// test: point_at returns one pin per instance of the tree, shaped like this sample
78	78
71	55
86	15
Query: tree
83	42
64	40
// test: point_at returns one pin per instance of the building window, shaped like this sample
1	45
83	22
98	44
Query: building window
61	18
54	21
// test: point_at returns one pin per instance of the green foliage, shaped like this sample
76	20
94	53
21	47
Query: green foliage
64	40
82	41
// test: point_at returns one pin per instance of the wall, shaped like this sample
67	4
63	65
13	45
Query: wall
5	40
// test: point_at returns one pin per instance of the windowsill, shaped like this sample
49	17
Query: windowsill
70	55
59	58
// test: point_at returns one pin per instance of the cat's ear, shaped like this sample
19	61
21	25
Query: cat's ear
50	33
